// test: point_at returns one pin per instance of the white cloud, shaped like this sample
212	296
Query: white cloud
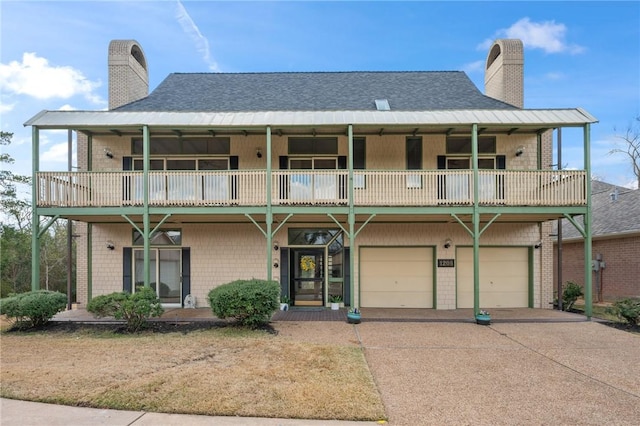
67	107
548	36
192	30
477	66
4	108
56	153
554	76
35	77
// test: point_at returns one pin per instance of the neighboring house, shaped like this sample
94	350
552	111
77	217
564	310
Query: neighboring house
615	231
392	189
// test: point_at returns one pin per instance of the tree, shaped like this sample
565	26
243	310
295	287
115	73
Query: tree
630	142
16	209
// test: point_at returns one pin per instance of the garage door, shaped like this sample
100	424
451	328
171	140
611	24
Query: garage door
504	277
396	277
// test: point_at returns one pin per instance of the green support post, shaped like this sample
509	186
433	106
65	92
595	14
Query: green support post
476	221
352	221
588	296
269	214
145	217
35	218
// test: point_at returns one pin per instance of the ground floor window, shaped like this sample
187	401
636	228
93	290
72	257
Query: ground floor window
165	269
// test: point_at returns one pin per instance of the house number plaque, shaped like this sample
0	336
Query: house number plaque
446	263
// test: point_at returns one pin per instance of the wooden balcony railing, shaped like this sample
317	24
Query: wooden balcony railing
312	187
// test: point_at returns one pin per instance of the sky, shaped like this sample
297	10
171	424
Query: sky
53	55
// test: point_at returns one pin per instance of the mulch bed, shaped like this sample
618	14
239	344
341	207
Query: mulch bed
159	327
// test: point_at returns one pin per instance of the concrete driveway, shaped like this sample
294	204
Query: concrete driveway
533	373
524	373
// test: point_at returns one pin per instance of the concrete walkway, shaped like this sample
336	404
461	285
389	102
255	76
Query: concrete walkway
550	370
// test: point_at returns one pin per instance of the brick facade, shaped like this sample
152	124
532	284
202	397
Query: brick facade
621	276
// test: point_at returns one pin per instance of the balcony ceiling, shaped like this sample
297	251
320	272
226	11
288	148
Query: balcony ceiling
313	122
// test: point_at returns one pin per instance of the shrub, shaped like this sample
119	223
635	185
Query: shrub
134	308
34	308
627	310
250	302
570	294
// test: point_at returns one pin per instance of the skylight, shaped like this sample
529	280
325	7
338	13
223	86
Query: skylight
382	105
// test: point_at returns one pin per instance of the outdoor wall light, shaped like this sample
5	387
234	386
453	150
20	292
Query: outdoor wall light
276	245
519	151
110	245
258	153
108	153
447	243
537	246
276	264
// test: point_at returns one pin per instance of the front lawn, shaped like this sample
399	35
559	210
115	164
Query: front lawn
224	371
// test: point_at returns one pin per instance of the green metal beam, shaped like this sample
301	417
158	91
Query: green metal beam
489	223
351	218
275	231
476	221
35	218
588	295
269	216
462	223
46	226
257	225
579	228
145	217
366	222
133	224
89	262
164	219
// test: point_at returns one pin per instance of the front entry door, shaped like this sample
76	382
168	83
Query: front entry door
307	272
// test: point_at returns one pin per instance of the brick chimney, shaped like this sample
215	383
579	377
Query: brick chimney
504	72
128	74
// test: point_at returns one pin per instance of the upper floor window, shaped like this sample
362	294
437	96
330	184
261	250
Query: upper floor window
183	146
462	145
313	146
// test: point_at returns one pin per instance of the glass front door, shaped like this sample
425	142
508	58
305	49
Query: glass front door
307	270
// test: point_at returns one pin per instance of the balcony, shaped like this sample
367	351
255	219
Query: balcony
413	188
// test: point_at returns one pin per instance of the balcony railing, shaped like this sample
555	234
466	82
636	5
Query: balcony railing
312	187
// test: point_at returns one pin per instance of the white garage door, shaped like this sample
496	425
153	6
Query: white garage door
396	277
504	277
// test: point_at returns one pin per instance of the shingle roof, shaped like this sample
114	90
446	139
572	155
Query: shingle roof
315	91
609	216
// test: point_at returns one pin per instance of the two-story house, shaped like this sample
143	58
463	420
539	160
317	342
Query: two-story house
391	189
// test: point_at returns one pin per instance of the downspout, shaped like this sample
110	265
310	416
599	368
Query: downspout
476	221
145	216
269	214
352	221
35	219
588	296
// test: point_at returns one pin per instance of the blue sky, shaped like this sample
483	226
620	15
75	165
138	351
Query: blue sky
53	54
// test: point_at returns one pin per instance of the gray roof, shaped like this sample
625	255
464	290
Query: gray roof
609	216
315	91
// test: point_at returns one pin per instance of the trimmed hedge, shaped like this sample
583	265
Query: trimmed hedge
134	308
250	302
34	308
